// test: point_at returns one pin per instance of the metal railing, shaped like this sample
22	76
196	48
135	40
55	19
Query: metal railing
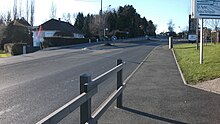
88	88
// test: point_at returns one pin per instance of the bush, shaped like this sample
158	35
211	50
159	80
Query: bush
62	41
17	31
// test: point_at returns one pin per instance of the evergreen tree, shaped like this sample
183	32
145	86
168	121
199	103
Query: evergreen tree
79	21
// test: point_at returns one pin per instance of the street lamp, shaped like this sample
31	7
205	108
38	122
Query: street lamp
106	29
101	26
101	8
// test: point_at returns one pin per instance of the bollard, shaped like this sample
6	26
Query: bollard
119	84
24	49
97	40
89	41
85	108
170	43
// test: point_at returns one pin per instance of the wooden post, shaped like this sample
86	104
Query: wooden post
119	84
85	108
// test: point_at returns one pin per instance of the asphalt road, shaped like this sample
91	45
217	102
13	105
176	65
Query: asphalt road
156	94
32	89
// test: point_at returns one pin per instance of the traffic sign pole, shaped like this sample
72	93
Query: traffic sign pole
201	42
197	34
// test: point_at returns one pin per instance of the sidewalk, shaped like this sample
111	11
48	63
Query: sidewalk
156	94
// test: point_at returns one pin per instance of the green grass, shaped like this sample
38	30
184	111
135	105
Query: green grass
188	59
3	54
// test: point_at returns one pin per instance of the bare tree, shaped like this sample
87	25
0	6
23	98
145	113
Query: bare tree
171	26
53	10
15	10
27	10
94	25
20	8
2	19
74	15
8	17
67	17
213	23
32	12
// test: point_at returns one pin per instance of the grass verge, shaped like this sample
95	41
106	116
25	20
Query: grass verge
3	54
188	59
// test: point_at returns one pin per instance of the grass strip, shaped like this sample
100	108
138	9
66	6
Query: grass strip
193	71
3	54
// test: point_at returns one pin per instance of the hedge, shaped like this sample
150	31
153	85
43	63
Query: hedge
62	41
17	48
14	48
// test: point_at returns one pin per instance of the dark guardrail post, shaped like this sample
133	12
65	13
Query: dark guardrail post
119	84
85	108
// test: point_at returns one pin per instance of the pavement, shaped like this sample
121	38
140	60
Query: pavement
156	94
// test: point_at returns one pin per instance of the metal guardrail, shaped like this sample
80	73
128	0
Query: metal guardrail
89	88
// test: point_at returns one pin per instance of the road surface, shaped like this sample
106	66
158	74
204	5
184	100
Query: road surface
33	88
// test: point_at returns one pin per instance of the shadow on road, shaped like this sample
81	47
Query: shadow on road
152	116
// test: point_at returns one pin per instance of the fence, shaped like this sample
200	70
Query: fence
89	88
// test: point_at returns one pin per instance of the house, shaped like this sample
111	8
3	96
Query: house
215	36
16	31
52	28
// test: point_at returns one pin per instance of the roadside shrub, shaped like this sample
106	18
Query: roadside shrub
62	41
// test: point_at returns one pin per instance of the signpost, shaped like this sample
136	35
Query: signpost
201	43
205	9
208	9
193	27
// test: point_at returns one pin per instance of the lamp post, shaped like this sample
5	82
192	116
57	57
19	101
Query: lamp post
101	8
105	29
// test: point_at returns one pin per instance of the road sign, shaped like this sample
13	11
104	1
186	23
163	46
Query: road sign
192	37
206	9
192	25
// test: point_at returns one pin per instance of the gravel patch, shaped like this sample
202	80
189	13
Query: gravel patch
211	86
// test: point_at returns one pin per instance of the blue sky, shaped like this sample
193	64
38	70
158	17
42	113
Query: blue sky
159	11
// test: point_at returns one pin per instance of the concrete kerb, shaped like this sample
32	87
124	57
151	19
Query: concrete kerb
181	73
129	77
